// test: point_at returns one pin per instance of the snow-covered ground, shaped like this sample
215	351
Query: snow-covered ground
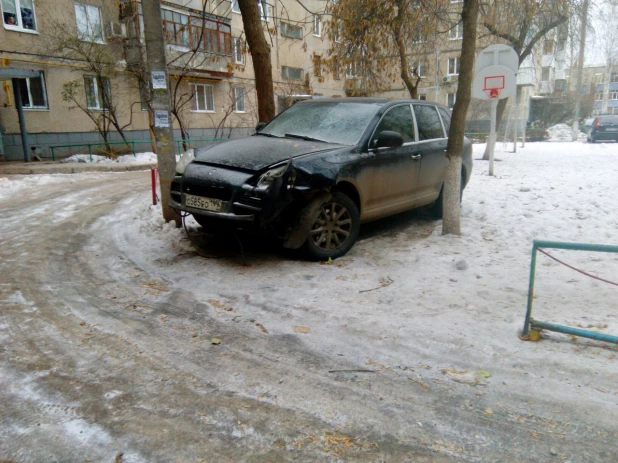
127	159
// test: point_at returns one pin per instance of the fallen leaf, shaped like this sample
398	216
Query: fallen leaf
260	326
488	411
215	341
82	323
302	329
483	374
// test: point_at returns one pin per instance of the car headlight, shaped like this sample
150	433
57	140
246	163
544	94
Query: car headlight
268	177
186	159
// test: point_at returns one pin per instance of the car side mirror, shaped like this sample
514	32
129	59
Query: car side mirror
259	126
388	139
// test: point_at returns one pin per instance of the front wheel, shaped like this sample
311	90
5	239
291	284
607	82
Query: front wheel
335	229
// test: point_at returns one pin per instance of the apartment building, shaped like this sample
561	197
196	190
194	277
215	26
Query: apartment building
211	74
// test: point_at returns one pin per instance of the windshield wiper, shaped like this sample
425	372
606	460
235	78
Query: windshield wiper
267	134
304	137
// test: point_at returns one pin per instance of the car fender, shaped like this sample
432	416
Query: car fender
307	216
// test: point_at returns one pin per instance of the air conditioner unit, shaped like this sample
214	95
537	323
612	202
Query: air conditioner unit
115	30
447	79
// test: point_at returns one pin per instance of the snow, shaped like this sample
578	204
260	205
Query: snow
10	186
456	304
563	132
127	159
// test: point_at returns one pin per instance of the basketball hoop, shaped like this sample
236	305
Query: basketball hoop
493	86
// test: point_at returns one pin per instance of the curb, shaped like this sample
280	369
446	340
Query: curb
77	168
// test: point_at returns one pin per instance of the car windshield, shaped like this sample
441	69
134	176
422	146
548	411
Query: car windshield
334	122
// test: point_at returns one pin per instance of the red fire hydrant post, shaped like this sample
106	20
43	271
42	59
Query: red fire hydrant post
153	175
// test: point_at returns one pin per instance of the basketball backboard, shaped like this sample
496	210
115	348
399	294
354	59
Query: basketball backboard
494	82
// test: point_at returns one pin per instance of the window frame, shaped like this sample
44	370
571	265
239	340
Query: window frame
234	3
263	7
613	95
19	27
96	95
374	133
287	26
543	70
456	31
80	35
44	93
420	67
448	96
237	99
287	77
212	94
456	61
237	50
317	65
418	136
317	23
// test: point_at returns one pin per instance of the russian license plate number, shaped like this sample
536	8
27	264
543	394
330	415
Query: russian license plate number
200	202
611	129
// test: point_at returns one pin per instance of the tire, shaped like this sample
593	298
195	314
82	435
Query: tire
436	208
592	140
335	230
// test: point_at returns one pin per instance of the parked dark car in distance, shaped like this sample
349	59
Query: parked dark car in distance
603	128
320	168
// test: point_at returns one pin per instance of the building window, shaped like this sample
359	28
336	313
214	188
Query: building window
456	31
317	26
351	70
24	20
336	26
263	7
203	98
561	45
419	68
613	95
33	93
598	79
98	91
545	73
239	55
598	96
453	66
211	36
419	36
456	1
336	70
450	99
614	77
89	23
288	73
176	27
289	30
317	65
548	47
235	7
239	100
422	97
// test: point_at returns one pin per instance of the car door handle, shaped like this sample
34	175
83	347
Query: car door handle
416	157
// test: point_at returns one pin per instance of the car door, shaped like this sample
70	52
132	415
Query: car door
394	171
432	141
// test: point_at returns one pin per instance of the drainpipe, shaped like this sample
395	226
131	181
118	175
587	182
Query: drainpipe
22	120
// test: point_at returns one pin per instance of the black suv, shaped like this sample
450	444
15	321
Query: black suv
603	128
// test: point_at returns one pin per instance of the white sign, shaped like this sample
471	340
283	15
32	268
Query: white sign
502	55
500	79
159	79
161	118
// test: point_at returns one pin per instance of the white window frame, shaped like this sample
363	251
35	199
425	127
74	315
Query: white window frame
237	50
456	31
351	70
614	77
598	96
548	73
422	97
456	1
44	89
317	26
98	107
448	96
420	68
613	95
455	62
235	7
82	36
212	94
19	25
263	7
237	99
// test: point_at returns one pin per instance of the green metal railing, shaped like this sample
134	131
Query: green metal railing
535	325
130	143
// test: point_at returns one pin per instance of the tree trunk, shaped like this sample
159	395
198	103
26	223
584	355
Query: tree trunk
499	114
580	70
454	151
401	49
260	55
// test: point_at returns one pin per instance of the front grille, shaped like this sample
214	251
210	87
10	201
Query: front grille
250	201
209	191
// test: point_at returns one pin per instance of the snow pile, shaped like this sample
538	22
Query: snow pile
9	187
563	132
127	159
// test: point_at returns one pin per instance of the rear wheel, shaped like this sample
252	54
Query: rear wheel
335	230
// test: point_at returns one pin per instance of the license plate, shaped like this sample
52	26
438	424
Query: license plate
200	202
611	129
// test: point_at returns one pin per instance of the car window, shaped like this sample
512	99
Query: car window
428	122
398	119
339	122
446	118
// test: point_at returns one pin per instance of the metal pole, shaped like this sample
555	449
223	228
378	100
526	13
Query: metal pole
530	290
516	120
492	134
22	120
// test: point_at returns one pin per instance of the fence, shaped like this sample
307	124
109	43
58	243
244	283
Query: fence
535	325
132	143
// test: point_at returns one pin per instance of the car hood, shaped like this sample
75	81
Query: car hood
257	152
